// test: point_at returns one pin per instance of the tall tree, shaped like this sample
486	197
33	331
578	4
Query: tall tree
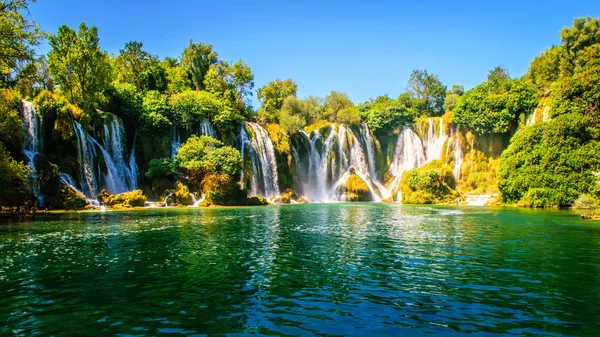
78	65
273	94
428	91
232	83
18	38
133	63
584	33
197	59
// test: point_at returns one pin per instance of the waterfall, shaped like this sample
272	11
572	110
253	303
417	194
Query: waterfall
206	129
409	154
546	114
32	125
120	176
329	166
369	142
458	154
31	145
123	177
86	153
433	141
175	139
68	180
133	168
264	179
530	120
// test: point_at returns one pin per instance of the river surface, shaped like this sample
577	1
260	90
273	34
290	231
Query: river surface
319	269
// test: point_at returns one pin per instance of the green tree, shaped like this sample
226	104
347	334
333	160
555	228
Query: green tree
191	107
176	76
428	91
334	103
273	94
384	114
18	38
13	179
133	64
231	83
495	105
207	157
78	65
197	58
160	167
452	96
584	33
550	164
11	127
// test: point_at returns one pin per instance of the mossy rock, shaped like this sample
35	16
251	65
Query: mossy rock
356	189
70	199
289	196
257	201
429	184
135	198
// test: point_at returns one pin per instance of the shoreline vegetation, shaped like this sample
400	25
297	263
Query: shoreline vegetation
84	129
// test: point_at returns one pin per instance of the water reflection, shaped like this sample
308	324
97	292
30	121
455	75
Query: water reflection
367	269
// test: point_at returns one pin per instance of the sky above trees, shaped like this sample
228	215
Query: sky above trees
361	48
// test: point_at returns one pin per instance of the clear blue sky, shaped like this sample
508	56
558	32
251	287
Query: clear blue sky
362	48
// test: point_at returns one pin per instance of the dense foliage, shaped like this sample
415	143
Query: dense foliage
550	164
168	101
430	184
495	106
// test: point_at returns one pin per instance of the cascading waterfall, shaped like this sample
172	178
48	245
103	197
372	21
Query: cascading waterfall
434	139
458	154
264	179
123	176
329	165
32	125
409	154
206	129
31	147
86	153
546	114
120	176
175	140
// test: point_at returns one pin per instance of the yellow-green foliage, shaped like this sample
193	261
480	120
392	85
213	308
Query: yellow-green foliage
55	107
322	126
288	196
71	199
357	189
182	194
429	184
478	174
134	198
280	139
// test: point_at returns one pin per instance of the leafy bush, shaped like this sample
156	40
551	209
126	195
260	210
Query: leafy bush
161	167
550	164
494	106
190	107
429	184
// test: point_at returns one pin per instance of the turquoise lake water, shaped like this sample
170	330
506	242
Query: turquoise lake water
319	269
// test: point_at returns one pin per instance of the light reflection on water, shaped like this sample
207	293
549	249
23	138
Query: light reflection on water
339	269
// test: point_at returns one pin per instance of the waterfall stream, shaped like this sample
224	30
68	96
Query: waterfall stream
259	148
120	175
